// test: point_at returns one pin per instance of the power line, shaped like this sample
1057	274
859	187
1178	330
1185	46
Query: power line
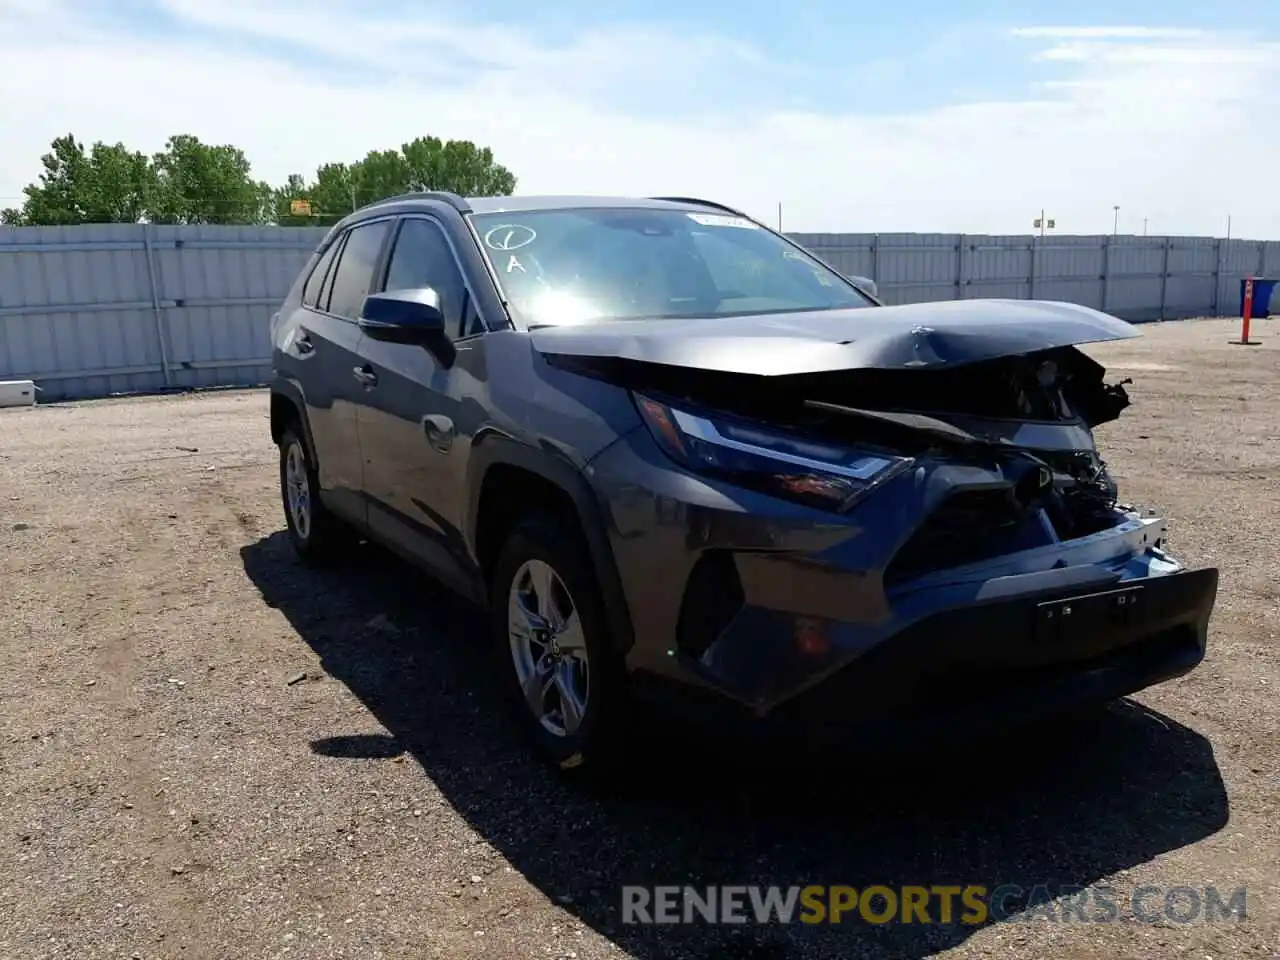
341	203
187	198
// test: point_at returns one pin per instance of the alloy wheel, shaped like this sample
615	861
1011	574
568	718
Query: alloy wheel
298	490
548	648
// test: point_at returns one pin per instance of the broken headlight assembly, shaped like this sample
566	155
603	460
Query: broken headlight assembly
815	473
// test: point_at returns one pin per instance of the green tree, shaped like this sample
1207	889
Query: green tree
337	191
106	184
202	183
458	166
195	182
426	163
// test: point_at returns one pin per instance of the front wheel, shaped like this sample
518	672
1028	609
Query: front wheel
551	642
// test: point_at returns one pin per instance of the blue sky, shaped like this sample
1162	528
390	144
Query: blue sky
885	56
935	52
911	115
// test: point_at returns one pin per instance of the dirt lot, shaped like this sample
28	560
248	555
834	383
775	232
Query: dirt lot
171	789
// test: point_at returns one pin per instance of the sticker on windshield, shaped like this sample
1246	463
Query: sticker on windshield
721	220
509	236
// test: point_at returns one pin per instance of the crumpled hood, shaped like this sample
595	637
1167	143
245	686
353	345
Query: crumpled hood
913	336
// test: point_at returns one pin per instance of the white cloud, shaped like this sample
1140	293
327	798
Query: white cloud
1178	55
1108	33
1168	123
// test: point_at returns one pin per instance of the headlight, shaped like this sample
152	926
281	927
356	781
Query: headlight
794	468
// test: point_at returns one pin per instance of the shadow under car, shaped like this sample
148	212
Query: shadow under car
1066	804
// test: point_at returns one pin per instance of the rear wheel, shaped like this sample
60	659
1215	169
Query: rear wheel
565	683
317	535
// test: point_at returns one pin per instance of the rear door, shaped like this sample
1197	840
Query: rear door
326	341
415	430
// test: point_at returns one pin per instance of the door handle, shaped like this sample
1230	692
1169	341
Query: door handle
365	375
303	343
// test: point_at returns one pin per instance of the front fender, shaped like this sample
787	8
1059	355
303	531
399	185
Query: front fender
494	449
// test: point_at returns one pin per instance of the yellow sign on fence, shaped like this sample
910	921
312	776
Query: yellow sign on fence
300	208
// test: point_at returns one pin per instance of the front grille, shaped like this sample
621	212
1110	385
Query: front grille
968	526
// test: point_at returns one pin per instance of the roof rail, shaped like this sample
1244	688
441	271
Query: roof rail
705	203
444	196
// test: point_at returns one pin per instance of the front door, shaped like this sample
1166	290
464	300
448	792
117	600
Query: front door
414	429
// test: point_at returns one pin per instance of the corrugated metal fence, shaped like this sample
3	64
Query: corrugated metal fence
1136	278
90	311
113	308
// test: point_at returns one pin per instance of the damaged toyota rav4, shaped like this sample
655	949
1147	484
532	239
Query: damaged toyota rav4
686	465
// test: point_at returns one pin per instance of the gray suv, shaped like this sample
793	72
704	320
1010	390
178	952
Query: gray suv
688	466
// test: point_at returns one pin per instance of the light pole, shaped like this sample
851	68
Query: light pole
1040	223
1115	223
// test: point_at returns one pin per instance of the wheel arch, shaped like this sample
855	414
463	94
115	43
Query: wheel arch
288	406
510	481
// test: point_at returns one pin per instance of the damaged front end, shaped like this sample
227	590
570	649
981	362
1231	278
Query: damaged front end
1001	452
885	535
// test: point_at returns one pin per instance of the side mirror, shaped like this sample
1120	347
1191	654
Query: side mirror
866	285
404	316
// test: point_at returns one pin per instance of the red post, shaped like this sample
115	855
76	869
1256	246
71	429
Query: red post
1246	314
1248	310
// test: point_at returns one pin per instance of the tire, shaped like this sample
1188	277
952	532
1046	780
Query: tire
317	535
584	741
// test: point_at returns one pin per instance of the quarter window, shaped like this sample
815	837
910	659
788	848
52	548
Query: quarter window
311	292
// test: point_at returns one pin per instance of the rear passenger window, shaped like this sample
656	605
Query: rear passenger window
422	258
311	292
354	275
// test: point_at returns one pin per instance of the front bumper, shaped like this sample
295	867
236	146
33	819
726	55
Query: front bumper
775	619
980	669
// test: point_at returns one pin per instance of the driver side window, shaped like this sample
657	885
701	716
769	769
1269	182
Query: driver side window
422	257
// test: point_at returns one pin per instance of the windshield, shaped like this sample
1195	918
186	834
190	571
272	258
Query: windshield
611	263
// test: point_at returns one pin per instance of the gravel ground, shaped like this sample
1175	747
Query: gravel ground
208	751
